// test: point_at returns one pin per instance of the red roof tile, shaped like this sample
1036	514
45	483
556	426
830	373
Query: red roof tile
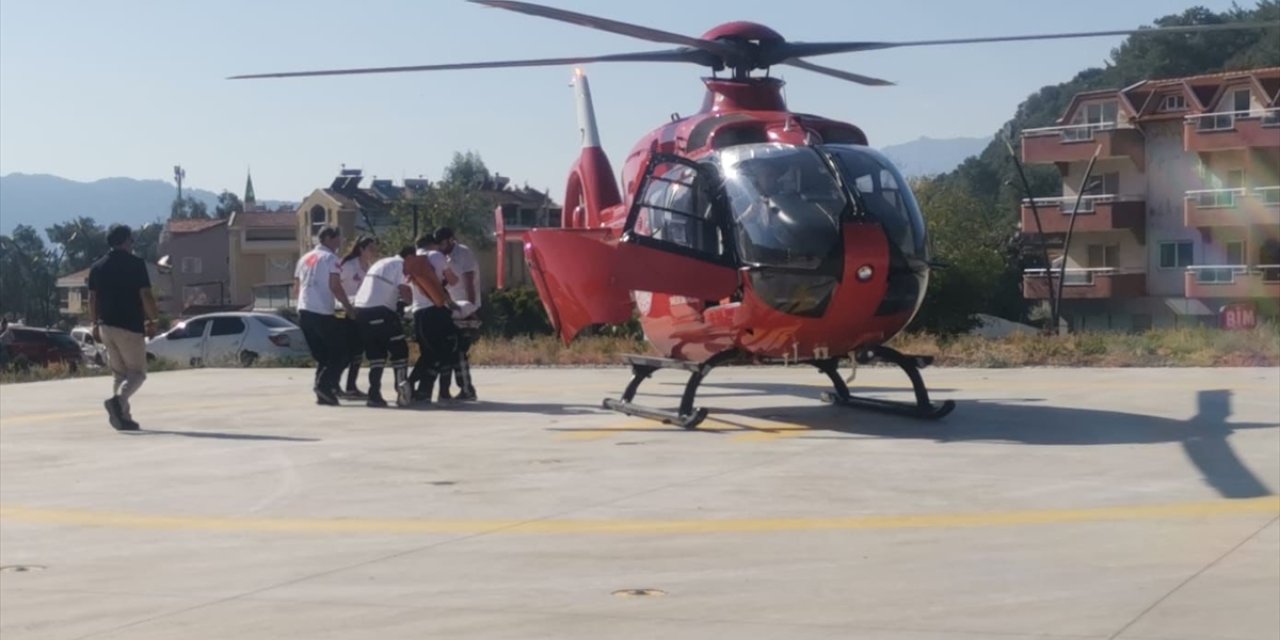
191	226
275	219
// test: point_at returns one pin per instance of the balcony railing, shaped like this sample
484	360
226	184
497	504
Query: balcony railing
1088	204
1084	283
1076	277
1230	273
1215	198
1226	121
1269	196
1072	132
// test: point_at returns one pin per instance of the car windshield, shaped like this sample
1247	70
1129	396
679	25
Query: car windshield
785	203
275	322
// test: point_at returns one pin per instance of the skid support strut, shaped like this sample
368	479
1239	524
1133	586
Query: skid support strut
687	416
911	365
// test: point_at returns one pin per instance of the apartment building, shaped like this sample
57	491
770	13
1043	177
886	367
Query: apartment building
1182	214
197	250
263	247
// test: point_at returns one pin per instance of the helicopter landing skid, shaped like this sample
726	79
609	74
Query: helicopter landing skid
687	416
911	365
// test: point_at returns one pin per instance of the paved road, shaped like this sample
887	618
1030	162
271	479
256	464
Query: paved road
1054	503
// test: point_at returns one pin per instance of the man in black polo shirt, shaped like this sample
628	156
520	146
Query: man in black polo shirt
123	312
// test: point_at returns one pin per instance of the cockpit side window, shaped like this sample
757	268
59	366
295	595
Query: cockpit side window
676	206
884	195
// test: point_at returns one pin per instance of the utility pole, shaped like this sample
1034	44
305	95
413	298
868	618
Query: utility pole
178	174
1071	227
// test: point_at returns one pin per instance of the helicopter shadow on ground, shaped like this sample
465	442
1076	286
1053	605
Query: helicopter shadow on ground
1204	437
725	389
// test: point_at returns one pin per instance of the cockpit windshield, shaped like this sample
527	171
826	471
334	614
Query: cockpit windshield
884	195
786	205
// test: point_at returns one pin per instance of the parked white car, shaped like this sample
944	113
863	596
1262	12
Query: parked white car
94	352
229	339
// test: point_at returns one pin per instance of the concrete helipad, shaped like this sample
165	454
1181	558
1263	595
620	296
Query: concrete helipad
1054	503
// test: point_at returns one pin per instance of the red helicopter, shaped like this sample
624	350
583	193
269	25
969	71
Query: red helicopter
743	233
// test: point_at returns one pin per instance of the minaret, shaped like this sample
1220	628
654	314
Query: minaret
249	199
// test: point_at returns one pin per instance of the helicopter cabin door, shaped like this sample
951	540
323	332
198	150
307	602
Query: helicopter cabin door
675	240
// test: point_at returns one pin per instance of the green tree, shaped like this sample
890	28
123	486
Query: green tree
188	207
146	240
79	242
228	203
27	278
466	211
466	170
972	242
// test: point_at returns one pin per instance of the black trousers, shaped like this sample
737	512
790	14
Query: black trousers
328	347
384	344
355	349
437	338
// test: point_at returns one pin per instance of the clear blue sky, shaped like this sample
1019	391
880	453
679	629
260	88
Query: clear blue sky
131	87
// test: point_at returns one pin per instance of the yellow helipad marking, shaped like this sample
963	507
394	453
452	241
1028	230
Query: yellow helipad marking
1266	505
743	428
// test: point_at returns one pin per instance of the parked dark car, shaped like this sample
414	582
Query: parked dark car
32	346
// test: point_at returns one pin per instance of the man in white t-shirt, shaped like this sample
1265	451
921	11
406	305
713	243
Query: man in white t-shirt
383	286
318	285
463	262
433	325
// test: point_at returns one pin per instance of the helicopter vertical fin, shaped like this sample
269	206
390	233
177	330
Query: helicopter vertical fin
591	183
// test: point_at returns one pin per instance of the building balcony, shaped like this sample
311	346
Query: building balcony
1233	281
1258	129
1085	284
1232	207
1095	213
1076	143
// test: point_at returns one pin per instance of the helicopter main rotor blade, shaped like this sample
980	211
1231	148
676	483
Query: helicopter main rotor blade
787	50
612	26
837	73
674	55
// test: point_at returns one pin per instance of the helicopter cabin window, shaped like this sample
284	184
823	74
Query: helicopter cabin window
675	208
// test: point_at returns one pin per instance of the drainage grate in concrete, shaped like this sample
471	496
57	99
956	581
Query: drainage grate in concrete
22	568
639	593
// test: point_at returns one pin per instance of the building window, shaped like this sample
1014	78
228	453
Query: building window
1240	100
1235	253
1174	102
1107	184
319	218
192	265
1100	113
1104	256
1176	255
64	297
